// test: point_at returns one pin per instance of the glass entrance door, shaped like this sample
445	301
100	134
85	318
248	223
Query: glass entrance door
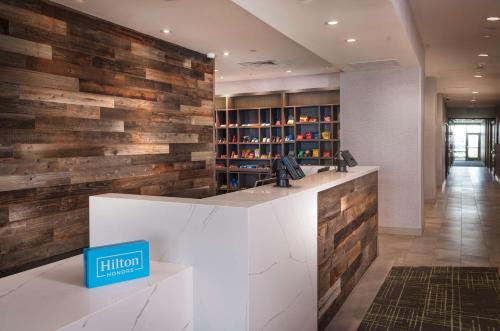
473	147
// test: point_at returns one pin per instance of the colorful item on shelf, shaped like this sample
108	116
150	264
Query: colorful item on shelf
277	122
309	135
220	165
248	166
257	152
327	154
307	153
234	183
248	154
303	118
300	137
289	137
248	139
290	120
316	135
233	139
325	135
315	152
313	119
327	118
300	154
222	140
234	155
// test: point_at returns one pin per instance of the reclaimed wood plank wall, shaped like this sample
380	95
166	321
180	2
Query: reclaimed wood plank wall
89	107
347	241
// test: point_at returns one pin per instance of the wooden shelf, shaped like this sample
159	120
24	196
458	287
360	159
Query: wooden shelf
243	159
250	170
269	108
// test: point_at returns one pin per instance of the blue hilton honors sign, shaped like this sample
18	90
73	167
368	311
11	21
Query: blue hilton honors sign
116	263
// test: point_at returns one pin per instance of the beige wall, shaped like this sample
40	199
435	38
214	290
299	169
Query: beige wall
381	116
322	81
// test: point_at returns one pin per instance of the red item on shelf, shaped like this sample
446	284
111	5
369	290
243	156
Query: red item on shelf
300	137
309	135
327	154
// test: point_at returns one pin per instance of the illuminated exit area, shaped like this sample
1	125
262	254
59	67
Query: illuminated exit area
468	142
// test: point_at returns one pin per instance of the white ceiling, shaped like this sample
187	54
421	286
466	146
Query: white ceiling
375	25
211	26
453	32
291	32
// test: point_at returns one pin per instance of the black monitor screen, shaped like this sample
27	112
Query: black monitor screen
292	167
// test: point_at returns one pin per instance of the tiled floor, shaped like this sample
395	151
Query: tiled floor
462	228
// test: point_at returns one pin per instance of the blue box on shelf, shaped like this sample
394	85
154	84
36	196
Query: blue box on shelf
116	263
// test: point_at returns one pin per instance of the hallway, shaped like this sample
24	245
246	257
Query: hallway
462	228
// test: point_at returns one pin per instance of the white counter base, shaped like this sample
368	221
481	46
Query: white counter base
253	252
52	297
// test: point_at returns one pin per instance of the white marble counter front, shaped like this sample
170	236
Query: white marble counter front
52	297
253	252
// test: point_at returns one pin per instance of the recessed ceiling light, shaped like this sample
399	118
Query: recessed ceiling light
226	53
475	92
487	36
478	76
473	100
332	22
166	31
289	71
493	18
483	55
351	40
216	70
221	77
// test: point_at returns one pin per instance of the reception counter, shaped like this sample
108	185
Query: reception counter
52	297
266	258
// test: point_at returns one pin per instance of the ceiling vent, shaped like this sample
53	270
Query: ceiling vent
375	65
259	64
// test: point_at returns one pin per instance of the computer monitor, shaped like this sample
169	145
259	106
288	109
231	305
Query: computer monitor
292	167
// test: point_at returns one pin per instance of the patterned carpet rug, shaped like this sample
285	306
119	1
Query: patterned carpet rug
436	298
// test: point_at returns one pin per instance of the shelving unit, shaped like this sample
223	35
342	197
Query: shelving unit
252	131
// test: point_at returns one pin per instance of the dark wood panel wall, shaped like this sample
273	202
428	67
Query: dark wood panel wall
89	107
347	241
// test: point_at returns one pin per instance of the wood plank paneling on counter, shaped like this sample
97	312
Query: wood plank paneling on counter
88	107
347	241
